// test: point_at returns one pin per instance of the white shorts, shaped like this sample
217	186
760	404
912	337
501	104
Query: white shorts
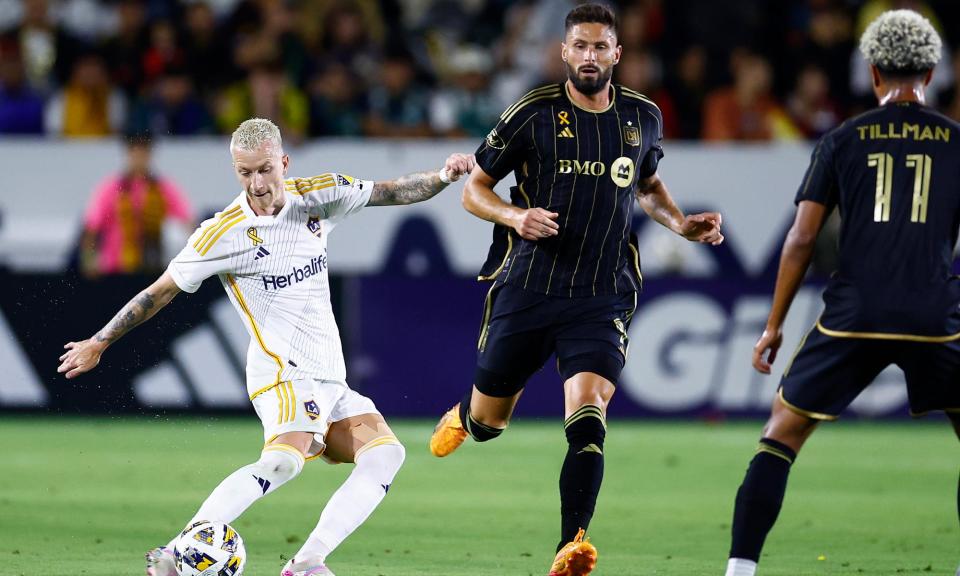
308	406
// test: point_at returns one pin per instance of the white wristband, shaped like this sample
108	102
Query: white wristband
444	177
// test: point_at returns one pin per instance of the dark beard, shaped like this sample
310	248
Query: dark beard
586	86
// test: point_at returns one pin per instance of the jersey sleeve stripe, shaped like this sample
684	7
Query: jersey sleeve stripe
638	96
551	91
220	218
256	332
228	224
528	102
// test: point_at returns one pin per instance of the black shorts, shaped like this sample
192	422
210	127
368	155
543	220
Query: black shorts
828	372
521	329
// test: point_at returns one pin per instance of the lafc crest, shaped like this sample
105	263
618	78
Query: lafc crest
631	135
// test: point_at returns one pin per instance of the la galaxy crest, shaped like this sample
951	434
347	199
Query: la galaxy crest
312	410
315	226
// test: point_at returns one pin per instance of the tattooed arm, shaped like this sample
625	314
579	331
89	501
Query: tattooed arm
422	185
84	356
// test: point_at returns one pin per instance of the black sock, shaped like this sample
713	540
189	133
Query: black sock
582	471
479	431
760	497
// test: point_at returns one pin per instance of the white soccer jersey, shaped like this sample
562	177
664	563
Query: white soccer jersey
274	269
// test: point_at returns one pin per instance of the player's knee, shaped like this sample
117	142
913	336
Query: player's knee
608	365
278	464
586	429
383	459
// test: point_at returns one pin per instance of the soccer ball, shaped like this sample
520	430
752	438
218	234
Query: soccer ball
209	549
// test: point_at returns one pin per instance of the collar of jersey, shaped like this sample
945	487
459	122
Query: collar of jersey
245	207
613	96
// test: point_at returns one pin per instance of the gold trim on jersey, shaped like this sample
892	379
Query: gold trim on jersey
802	412
495	273
593	204
636	263
888	336
573	190
549	91
378	441
786	370
487	311
301	186
221	218
256	332
613	97
222	229
638	96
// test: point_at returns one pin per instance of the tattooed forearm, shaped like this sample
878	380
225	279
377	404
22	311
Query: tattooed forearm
407	189
135	312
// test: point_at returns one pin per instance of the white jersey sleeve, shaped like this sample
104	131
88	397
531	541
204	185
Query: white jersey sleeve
331	196
209	251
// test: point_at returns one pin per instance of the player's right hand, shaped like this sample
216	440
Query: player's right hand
80	357
768	344
536	223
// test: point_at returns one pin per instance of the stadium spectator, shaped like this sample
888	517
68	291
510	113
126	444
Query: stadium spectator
397	105
810	106
640	71
88	105
21	108
123	224
172	107
208	57
465	106
747	110
164	52
47	49
266	93
337	104
688	89
124	50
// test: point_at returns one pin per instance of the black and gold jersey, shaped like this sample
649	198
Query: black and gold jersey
584	165
894	174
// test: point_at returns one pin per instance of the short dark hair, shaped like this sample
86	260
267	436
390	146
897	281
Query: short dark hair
591	14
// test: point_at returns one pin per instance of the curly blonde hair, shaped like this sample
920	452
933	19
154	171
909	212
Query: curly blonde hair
901	42
252	133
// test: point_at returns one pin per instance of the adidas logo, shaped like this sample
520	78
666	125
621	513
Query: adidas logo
566	133
263	482
261	253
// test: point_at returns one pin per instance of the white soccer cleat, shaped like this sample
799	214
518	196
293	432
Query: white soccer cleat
292	569
160	562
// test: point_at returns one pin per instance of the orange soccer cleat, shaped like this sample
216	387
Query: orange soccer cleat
576	558
449	433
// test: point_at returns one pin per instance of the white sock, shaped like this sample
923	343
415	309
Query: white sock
741	567
377	464
278	464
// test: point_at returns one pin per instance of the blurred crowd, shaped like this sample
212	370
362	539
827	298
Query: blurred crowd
749	70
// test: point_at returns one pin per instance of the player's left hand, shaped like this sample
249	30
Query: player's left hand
80	357
703	227
459	164
768	345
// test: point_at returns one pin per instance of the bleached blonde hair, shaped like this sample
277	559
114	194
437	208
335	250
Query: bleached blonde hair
901	42
252	133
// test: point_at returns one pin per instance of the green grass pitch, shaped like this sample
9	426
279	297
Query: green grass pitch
89	496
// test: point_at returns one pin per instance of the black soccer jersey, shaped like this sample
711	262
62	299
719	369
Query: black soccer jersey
894	173
583	165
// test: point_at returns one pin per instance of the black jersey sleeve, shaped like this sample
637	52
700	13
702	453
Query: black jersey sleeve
502	149
820	182
650	161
